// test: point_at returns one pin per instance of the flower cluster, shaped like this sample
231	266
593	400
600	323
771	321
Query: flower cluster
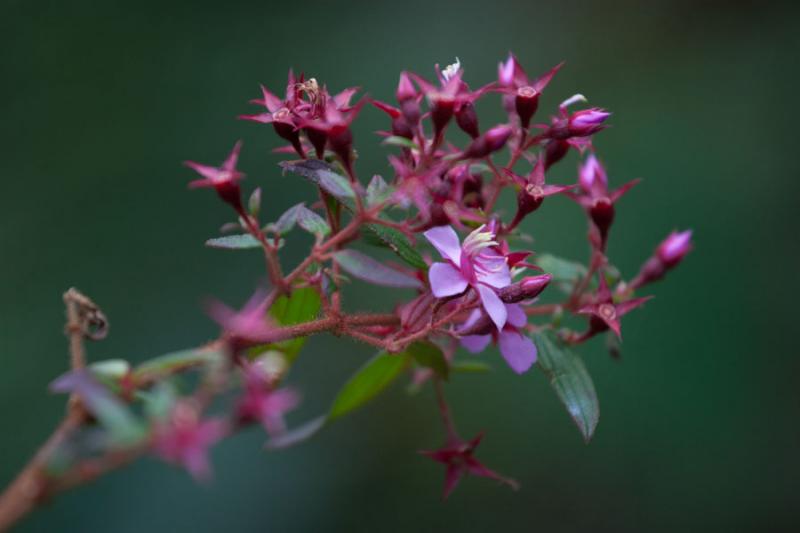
443	232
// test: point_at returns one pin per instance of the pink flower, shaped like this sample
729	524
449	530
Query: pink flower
250	325
604	314
474	264
225	178
184	439
457	456
525	91
264	403
518	350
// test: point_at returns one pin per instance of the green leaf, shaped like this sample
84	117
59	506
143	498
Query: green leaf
173	362
368	269
430	356
378	191
302	306
402	142
470	367
561	269
368	382
571	381
159	400
312	222
398	243
244	241
286	221
111	369
254	203
322	174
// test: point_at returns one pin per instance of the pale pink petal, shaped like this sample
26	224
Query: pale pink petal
445	239
516	315
492	269
446	280
476	343
473	317
493	305
519	351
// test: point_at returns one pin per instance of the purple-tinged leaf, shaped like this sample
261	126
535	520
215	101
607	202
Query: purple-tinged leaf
368	269
322	174
398	243
312	222
571	381
297	435
124	427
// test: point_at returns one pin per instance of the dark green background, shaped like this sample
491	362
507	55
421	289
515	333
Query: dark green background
101	101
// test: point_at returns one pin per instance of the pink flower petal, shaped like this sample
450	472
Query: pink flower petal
446	280
518	351
516	315
492	269
476	343
445	240
493	305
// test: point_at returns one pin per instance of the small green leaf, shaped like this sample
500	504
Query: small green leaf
378	191
322	174
159	400
244	241
430	356
561	269
402	142
368	382
286	221
368	269
173	362
302	306
312	222
470	367
571	381
254	203
398	243
112	369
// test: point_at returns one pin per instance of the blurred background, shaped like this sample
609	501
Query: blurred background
102	101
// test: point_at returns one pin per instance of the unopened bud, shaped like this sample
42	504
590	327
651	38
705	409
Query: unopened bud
586	122
442	109
467	119
489	142
527	289
668	255
602	213
405	89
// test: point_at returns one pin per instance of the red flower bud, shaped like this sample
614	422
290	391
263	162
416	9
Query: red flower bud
489	142
528	288
467	119
526	103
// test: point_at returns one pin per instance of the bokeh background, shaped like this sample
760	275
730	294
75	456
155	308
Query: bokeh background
101	101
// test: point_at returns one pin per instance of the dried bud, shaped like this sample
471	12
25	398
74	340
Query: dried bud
489	142
528	288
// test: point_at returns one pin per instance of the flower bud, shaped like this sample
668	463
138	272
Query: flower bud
602	213
526	103
489	142
592	175
442	109
586	122
405	89
674	248
528	288
467	119
667	256
555	152
506	71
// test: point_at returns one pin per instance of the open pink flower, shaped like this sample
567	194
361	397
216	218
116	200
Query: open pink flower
474	264
263	402
518	350
184	439
225	179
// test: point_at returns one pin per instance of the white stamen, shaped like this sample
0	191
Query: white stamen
574	99
451	70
